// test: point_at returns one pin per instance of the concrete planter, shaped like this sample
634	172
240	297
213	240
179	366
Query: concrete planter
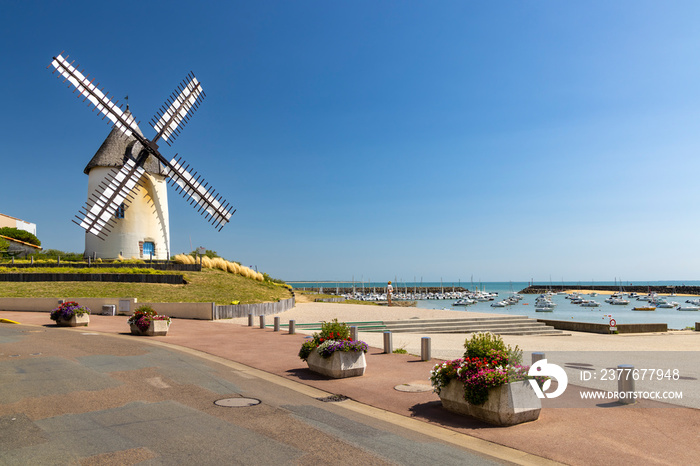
507	405
157	328
81	320
341	364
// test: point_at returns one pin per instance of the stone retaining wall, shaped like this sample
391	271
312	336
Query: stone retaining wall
123	306
170	266
93	277
604	328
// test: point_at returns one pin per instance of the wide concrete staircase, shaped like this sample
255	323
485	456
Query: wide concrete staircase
515	325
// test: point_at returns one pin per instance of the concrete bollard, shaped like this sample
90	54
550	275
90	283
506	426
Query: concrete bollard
625	384
353	334
388	346
425	349
292	327
250	320
277	324
262	321
537	356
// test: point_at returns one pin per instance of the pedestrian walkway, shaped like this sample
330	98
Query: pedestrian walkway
590	433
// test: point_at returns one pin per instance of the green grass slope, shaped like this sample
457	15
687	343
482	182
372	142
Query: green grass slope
209	285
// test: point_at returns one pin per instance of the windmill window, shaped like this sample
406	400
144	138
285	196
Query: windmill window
120	211
149	248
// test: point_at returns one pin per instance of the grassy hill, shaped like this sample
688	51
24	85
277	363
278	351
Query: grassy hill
209	285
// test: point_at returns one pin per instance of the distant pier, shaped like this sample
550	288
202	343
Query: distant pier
639	289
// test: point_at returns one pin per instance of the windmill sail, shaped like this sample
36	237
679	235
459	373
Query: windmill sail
211	206
99	211
180	108
96	97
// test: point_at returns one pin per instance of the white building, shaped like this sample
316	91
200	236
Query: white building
142	225
7	221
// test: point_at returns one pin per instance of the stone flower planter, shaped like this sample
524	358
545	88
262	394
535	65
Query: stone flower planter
507	405
81	320
157	328
341	364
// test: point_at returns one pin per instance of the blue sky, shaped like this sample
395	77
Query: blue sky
500	140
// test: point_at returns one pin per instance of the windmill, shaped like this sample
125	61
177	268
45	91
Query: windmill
132	182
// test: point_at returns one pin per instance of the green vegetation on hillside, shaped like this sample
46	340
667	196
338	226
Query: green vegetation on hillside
20	235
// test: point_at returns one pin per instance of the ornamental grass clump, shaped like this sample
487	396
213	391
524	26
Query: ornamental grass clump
487	363
67	310
334	336
221	264
144	315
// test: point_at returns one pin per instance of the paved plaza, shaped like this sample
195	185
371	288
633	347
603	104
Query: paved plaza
96	395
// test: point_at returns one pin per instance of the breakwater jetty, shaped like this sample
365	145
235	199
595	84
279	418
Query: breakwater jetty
639	289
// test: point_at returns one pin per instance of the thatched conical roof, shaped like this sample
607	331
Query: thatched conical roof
117	148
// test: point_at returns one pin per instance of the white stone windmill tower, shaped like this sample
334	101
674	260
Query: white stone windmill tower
127	208
140	229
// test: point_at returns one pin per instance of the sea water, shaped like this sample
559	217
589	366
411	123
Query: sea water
564	310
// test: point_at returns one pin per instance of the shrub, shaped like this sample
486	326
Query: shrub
483	344
488	362
334	336
20	235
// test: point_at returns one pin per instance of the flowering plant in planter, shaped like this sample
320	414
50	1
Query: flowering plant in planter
143	316
67	310
487	363
334	336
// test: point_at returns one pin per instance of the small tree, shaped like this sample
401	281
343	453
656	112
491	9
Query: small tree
209	253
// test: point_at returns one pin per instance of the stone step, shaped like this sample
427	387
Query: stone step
498	330
465	319
515	325
462	324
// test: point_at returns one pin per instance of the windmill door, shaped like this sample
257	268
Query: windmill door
149	249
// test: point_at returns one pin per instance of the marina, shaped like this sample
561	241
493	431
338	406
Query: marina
595	303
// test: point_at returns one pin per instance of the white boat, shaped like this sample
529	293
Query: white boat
544	308
619	302
667	304
589	303
689	307
464	302
500	304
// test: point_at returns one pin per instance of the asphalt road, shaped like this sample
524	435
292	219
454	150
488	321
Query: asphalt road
70	396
